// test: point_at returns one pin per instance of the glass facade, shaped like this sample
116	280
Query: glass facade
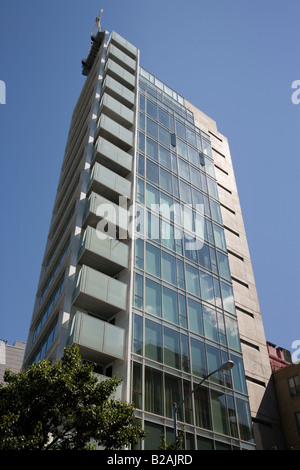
184	320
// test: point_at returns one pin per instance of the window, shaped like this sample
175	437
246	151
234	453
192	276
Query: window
138	335
168	268
152	171
153	260
153	391
171	348
153	297
170	305
294	385
195	316
153	341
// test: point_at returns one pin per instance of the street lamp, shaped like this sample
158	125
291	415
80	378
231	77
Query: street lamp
226	366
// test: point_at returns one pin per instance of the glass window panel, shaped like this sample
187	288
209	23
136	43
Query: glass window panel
152	128
203	182
219	412
167	235
204	256
138	291
168	268
223	266
182	149
185	354
238	374
142	102
232	416
152	171
170	305
219	237
187	217
153	297
191	136
215	211
207	288
202	408
192	280
151	109
195	316
153	260
152	196
171	348
210	323
188	405
163	117
185	192
138	335
141	142
153	341
153	391
173	394
204	444
197	200
210	167
165	157
213	260
174	163
165	180
183	169
139	253
218	299
141	165
152	149
142	121
140	190
227	296
182	311
214	361
212	188
244	420
196	178
175	185
164	136
180	129
190	247
180	274
137	385
206	148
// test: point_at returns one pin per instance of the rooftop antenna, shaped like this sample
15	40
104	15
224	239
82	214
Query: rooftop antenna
97	25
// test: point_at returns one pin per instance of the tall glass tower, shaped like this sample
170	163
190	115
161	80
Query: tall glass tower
146	266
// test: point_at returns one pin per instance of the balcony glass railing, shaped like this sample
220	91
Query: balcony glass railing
106	340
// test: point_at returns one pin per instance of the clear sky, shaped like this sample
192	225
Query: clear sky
235	60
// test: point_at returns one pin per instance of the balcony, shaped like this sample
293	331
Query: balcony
113	216
117	72
112	157
108	256
114	133
118	91
119	391
116	111
124	45
98	293
108	184
98	341
121	58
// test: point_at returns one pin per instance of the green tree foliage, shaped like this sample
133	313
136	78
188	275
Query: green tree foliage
177	445
64	406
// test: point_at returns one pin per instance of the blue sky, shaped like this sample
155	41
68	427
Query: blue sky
235	60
